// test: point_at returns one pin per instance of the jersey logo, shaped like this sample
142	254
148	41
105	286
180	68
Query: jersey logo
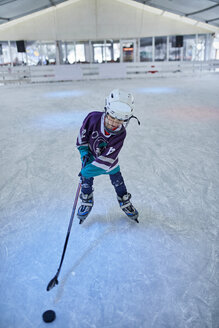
94	135
99	145
111	150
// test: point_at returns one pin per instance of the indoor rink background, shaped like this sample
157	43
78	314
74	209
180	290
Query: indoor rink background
162	272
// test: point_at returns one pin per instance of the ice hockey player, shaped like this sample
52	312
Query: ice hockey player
99	142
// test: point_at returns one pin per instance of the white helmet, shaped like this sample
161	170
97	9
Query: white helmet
120	105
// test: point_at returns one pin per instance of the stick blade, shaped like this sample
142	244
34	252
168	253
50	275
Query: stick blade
52	283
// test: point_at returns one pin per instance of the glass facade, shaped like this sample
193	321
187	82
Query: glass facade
127	51
73	52
189	47
5	58
162	48
116	51
200	47
48	53
106	51
175	48
146	49
80	52
98	51
17	58
33	50
68	53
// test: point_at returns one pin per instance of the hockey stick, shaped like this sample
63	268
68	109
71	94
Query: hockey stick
54	280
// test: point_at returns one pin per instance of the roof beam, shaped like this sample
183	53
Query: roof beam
30	12
201	11
5	2
211	20
52	3
6	19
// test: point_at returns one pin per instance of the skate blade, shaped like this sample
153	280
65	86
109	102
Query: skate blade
81	218
135	220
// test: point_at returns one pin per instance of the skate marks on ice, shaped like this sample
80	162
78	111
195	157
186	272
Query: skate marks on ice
89	247
163	272
162	268
24	318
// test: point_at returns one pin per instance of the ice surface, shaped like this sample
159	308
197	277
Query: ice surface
162	272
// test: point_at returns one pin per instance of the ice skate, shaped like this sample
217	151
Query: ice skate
85	207
127	207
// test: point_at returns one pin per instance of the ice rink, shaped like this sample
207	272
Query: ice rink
160	273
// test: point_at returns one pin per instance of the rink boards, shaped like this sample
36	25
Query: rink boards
53	73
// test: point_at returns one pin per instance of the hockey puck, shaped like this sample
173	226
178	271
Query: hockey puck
49	316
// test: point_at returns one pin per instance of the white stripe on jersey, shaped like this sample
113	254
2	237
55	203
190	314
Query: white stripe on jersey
79	138
104	167
112	168
106	159
83	145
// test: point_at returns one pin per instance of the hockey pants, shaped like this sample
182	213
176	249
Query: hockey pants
116	180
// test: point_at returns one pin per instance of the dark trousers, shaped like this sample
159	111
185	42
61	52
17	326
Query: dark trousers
116	180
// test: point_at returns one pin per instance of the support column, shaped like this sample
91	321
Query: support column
153	48
10	55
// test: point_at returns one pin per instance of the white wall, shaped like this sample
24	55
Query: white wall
97	19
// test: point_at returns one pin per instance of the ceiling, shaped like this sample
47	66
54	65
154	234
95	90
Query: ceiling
206	11
201	10
12	9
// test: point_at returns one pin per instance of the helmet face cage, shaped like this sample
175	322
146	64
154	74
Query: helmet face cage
119	105
119	116
113	132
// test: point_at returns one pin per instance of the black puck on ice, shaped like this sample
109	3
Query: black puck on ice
49	316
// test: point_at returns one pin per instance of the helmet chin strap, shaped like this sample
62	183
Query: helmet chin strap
135	118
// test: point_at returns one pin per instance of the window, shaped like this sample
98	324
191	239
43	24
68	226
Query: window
189	47
75	52
116	51
200	47
97	49
68	52
80	52
108	51
4	53
175	46
18	58
33	53
161	48
145	49
103	51
48	53
128	51
215	48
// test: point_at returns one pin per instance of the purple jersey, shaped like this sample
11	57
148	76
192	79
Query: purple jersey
104	147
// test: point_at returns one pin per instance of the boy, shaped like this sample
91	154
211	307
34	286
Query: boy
99	142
